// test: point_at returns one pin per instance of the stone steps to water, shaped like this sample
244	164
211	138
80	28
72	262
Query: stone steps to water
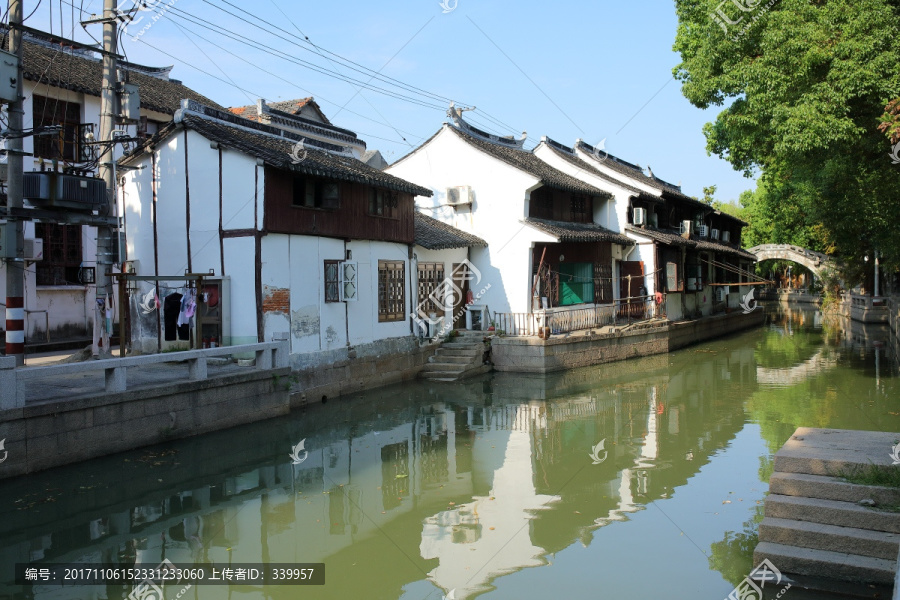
450	358
818	526
461	357
445	367
467	351
831	512
819	536
826	564
830	488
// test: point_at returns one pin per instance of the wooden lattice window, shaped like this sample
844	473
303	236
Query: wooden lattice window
64	144
580	209
332	281
383	203
391	288
62	254
316	193
603	285
430	276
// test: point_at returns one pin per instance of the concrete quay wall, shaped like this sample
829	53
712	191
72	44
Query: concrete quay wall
55	433
323	375
534	355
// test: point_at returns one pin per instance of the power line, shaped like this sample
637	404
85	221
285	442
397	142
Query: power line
349	63
376	74
234	36
287	57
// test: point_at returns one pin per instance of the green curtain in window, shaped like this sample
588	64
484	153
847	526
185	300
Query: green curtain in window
576	283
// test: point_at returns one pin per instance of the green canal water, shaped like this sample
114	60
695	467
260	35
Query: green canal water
642	480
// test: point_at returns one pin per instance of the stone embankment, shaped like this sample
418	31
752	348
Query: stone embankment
820	527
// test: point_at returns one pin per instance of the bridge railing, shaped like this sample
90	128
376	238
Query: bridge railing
13	381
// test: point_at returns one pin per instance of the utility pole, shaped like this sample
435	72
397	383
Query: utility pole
15	267
106	238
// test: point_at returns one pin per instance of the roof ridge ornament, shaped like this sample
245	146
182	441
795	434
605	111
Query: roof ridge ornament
458	122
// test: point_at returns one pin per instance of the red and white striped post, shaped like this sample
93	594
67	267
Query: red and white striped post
15	272
15	325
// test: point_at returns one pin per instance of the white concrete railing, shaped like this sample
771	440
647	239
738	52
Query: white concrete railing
269	355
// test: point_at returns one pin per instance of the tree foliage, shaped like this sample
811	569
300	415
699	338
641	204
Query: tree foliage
804	87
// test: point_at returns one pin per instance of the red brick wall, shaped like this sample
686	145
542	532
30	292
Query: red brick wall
276	300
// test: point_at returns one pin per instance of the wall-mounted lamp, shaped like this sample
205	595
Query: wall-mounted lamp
562	257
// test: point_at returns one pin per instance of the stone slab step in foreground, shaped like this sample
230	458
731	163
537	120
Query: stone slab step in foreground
818	536
832	512
830	488
831	452
826	564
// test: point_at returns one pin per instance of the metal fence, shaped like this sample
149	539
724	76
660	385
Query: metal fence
626	310
517	324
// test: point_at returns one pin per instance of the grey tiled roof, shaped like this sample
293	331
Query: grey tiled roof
725	249
251	112
631	170
277	148
529	163
61	67
578	232
672	239
581	164
437	235
289	107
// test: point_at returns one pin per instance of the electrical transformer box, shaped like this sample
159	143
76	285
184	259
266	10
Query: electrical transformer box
130	102
9	77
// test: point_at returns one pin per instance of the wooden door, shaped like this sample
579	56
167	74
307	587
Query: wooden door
631	278
631	282
461	283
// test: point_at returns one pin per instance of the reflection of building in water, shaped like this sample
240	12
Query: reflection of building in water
414	477
820	362
480	540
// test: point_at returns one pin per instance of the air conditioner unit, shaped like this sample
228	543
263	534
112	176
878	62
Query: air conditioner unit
704	231
687	227
714	234
459	195
639	216
34	249
62	191
726	236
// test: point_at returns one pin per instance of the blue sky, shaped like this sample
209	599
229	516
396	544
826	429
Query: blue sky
565	69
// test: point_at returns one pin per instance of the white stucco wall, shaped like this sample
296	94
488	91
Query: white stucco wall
501	195
239	172
296	264
612	213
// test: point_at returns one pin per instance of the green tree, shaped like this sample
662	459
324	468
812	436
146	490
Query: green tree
803	86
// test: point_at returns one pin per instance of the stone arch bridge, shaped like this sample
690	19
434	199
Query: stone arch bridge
814	261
